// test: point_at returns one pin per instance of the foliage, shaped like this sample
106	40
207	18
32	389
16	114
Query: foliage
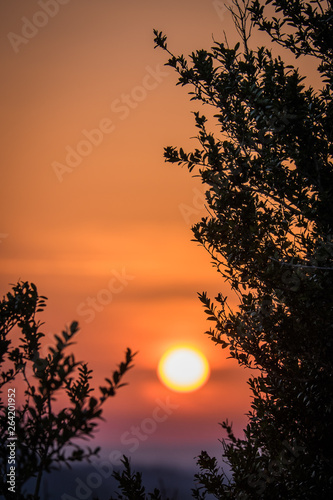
130	483
268	174
45	438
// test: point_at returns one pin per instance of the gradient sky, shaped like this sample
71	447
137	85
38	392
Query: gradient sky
121	211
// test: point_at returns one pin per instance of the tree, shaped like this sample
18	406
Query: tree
34	438
268	172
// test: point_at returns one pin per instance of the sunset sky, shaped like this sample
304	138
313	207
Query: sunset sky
94	217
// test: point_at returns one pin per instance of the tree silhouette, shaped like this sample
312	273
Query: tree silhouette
267	168
34	438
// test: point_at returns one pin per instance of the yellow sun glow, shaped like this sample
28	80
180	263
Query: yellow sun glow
183	369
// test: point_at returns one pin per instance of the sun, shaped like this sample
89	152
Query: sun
183	368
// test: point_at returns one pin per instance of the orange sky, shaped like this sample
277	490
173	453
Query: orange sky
88	80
